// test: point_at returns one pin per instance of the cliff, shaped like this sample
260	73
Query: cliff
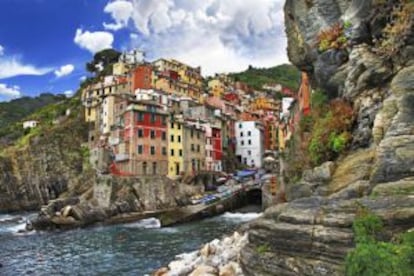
45	164
363	53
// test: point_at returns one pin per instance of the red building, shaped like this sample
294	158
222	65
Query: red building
144	147
141	77
217	145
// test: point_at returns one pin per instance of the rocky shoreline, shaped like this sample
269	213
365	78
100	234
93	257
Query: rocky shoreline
218	257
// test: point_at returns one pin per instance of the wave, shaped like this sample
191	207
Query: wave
149	223
240	216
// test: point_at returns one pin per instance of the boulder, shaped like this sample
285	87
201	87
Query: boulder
204	270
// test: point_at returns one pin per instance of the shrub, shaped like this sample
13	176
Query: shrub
373	257
330	132
333	37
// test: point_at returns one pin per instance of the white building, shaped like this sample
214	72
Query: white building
250	143
30	124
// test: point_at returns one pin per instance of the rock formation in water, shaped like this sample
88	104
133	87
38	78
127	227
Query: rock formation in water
372	67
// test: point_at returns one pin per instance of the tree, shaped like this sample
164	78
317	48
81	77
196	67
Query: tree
102	62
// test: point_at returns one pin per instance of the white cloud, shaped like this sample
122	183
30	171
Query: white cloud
64	70
68	93
1	50
9	92
11	67
121	11
93	41
219	35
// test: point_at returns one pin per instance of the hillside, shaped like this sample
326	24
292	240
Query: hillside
13	112
285	74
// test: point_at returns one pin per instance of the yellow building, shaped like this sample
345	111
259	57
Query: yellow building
261	103
216	87
120	69
175	147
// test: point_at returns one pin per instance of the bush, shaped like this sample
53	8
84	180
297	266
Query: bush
330	132
373	257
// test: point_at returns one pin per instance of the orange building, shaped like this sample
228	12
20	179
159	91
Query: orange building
141	77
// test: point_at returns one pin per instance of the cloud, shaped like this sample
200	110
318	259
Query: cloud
11	67
93	41
83	78
121	12
219	35
9	92
64	70
68	93
1	50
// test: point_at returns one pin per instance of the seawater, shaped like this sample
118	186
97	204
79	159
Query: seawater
129	249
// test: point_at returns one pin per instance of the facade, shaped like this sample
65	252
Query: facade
194	148
250	141
142	77
175	147
144	147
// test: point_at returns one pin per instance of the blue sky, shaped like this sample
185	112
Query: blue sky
44	44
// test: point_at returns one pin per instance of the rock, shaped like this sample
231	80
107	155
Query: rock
205	251
66	210
204	270
231	269
163	271
321	174
401	187
298	190
357	189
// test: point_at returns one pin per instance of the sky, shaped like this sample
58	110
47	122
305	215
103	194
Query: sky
44	44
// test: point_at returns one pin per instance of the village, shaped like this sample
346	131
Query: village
162	118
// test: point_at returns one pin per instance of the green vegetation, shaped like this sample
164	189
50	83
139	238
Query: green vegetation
286	75
105	59
330	132
261	249
333	37
14	112
372	256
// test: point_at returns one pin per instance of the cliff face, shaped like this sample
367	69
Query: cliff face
372	67
49	165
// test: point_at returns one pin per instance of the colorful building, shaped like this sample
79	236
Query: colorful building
175	147
143	150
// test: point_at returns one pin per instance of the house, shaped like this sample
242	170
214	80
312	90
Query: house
143	150
175	146
30	124
250	143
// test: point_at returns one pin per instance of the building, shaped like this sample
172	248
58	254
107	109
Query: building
194	148
250	143
142	77
216	87
30	124
143	150
175	147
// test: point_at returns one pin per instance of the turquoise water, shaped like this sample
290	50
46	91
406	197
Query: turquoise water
131	249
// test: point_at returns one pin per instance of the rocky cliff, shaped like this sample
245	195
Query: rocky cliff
361	51
48	165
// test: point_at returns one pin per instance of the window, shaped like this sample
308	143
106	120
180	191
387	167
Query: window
192	133
152	134
192	147
164	151
249	152
154	167
152	150
180	152
198	135
172	138
140	133
179	138
241	134
140	117
153	118
245	161
242	143
249	133
140	149
198	148
250	142
144	168
164	121
240	126
172	152
164	135
179	126
172	125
